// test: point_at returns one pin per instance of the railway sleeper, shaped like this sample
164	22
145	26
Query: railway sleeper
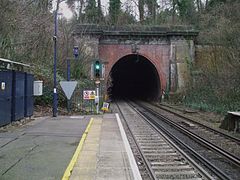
177	175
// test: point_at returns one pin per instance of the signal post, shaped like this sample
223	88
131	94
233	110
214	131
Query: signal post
97	76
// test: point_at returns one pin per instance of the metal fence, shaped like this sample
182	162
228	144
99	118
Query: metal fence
79	104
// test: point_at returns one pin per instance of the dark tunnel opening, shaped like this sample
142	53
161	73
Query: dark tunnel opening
134	77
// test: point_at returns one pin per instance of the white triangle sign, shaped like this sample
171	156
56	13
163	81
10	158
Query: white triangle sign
68	87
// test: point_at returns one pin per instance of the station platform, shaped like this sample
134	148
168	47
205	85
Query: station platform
103	152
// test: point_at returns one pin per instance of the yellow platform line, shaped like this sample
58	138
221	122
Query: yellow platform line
69	169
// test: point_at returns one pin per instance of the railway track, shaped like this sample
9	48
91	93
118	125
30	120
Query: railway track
225	163
163	158
186	119
227	145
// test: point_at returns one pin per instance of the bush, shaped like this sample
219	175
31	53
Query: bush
47	98
206	98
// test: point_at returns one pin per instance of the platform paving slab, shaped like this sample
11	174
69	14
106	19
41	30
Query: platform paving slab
41	149
107	158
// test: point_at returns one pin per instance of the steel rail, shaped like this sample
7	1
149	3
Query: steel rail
215	170
237	140
151	173
204	142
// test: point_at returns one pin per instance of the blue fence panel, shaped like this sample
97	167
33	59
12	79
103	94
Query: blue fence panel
5	97
28	108
18	95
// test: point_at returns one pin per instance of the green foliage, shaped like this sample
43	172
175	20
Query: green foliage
99	12
164	17
187	11
47	98
126	18
217	87
206	98
214	3
152	7
79	70
91	12
114	10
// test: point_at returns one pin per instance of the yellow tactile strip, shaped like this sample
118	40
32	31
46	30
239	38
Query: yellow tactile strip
74	159
85	167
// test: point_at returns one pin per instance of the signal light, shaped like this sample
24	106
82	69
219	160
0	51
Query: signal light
97	66
97	69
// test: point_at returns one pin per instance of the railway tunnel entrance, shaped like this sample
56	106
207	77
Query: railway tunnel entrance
134	77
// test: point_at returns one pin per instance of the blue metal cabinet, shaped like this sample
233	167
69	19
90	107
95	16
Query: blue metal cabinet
18	95
28	108
5	97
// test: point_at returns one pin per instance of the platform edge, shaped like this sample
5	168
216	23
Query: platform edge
73	161
133	164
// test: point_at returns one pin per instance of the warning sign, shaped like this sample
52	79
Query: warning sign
89	94
105	106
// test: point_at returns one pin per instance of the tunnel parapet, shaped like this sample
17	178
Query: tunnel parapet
93	29
170	49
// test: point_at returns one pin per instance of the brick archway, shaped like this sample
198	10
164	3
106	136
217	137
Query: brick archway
169	49
140	71
113	53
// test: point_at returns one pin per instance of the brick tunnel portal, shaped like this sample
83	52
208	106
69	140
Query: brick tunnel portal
134	77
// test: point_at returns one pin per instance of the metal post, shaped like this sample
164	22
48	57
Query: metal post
97	94
68	70
55	63
68	79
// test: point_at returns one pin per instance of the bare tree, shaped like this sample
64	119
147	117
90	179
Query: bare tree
141	9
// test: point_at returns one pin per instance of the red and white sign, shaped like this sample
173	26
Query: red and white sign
89	94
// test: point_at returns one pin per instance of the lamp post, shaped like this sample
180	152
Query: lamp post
55	103
68	79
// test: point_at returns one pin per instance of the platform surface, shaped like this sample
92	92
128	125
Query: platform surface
41	149
104	154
